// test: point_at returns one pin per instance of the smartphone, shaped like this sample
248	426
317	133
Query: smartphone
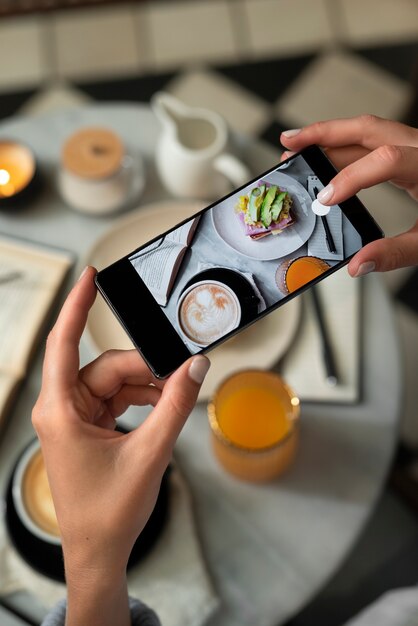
219	271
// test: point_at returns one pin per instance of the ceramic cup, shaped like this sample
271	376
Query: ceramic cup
32	497
191	156
206	311
96	173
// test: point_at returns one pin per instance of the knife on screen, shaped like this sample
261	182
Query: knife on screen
328	235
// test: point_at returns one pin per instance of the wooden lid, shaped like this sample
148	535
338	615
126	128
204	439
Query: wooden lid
93	153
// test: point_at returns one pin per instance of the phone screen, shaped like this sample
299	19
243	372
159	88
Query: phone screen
236	260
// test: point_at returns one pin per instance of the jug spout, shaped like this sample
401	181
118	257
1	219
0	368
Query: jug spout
168	109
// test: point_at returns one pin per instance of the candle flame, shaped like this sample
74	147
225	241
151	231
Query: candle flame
4	177
7	188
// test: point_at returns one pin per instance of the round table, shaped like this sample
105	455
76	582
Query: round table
269	548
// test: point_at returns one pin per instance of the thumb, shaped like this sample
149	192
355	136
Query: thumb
178	398
388	254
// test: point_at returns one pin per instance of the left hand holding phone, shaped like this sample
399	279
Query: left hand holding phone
368	150
104	484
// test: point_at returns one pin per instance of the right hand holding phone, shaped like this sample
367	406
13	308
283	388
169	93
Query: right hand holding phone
368	150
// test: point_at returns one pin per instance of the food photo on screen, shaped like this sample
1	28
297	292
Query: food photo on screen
220	270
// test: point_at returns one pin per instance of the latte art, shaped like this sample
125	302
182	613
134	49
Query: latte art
209	311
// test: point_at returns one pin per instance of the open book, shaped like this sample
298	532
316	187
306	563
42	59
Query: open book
159	263
30	278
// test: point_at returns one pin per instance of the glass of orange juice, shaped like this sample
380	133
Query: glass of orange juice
295	273
254	418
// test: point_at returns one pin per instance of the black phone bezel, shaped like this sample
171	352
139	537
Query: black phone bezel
137	310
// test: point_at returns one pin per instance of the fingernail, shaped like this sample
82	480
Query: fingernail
326	194
287	154
198	369
292	132
365	268
83	272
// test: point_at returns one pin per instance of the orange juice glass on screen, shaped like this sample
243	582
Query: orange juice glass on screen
254	419
295	273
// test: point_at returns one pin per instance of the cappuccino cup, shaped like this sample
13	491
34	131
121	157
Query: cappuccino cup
207	311
32	496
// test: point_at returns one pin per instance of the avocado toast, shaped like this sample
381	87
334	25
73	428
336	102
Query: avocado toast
265	210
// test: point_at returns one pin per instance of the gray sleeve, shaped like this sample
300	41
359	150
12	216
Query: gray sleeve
141	615
395	608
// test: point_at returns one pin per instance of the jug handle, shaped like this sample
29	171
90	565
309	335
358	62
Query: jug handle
233	169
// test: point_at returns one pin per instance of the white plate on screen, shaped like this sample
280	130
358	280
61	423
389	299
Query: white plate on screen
260	346
229	228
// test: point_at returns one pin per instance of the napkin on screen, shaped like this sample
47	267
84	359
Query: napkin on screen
317	243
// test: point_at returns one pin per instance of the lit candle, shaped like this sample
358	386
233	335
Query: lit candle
17	169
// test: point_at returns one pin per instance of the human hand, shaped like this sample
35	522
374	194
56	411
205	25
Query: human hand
104	484
368	150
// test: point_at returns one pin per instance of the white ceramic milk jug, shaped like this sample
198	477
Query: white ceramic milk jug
191	155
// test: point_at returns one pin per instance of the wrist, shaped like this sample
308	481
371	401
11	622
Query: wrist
96	597
92	558
100	579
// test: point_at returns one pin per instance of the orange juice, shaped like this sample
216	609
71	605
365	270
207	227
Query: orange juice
295	273
254	418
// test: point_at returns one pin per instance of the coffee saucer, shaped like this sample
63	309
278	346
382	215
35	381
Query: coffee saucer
47	558
242	288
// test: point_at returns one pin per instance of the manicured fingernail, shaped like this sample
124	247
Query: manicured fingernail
325	195
292	132
365	268
198	369
83	272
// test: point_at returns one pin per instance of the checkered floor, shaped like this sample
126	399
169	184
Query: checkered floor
265	65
